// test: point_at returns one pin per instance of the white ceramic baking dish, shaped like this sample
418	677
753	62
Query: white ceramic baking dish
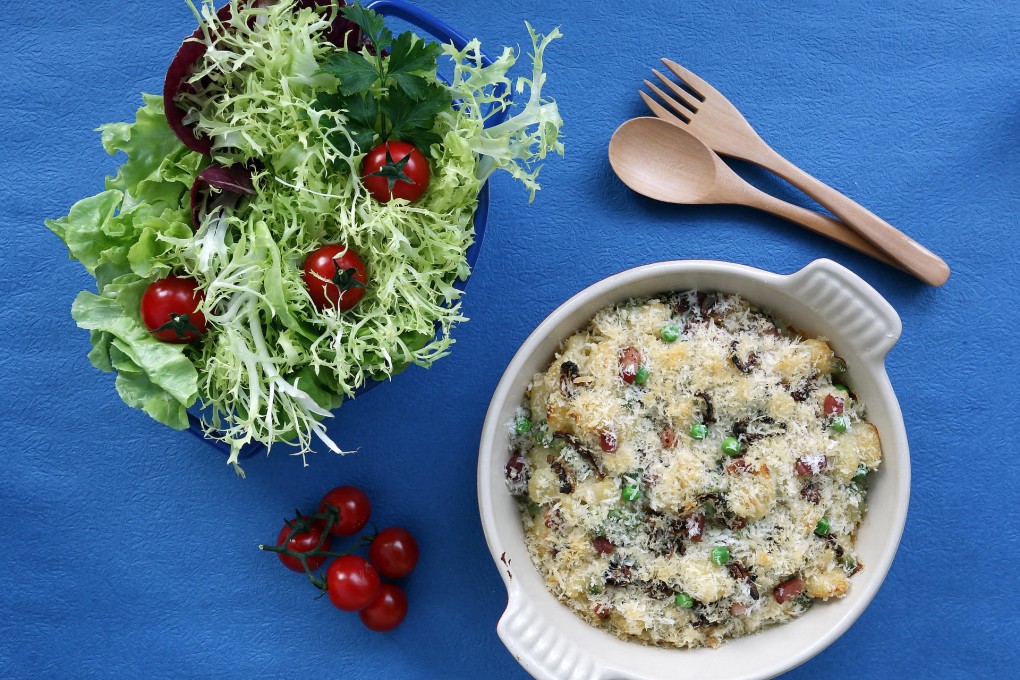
825	299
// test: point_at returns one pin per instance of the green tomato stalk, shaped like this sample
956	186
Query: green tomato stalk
302	524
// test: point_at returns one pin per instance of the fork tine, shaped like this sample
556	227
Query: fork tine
688	100
699	86
660	111
682	111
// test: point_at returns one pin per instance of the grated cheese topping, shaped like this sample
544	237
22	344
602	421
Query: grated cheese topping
626	510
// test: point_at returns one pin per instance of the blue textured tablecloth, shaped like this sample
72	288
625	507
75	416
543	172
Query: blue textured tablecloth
129	550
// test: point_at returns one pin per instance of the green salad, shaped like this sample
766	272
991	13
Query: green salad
293	214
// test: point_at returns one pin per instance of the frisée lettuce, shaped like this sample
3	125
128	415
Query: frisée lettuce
272	366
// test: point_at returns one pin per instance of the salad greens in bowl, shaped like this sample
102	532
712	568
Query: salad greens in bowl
293	217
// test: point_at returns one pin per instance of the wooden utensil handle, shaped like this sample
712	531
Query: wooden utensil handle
816	222
913	257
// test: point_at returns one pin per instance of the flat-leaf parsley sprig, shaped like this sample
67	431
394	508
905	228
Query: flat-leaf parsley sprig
388	90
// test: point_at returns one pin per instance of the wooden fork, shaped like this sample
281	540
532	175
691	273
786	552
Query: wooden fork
710	117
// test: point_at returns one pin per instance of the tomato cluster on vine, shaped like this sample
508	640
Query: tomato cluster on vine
351	582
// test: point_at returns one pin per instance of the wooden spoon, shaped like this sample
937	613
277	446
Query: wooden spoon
662	161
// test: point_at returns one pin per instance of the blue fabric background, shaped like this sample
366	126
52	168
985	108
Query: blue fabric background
129	549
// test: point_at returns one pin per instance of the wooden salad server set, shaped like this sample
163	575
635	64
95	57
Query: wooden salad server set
676	158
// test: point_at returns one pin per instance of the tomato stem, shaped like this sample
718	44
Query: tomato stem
303	523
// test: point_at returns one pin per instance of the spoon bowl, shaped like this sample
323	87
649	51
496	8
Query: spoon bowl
664	162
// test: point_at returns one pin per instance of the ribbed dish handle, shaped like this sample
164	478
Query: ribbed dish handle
845	299
439	30
540	648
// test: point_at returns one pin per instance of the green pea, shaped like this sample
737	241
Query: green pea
523	425
841	387
822	528
840	423
669	333
683	600
631	493
862	473
641	377
595	590
731	446
720	555
699	431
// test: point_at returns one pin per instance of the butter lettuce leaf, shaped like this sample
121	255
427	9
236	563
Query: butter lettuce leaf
138	391
164	363
120	236
159	169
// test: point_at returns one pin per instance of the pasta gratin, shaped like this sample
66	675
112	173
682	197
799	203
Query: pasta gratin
690	469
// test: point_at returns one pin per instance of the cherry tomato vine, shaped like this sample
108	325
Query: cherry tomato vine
321	523
351	582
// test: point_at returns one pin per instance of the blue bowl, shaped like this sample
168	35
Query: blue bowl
444	34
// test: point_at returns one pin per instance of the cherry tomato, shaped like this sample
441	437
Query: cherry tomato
335	277
395	170
352	583
354	507
169	310
303	542
394	552
387	611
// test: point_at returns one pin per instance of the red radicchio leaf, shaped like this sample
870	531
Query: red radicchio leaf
192	49
342	33
189	53
235	179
